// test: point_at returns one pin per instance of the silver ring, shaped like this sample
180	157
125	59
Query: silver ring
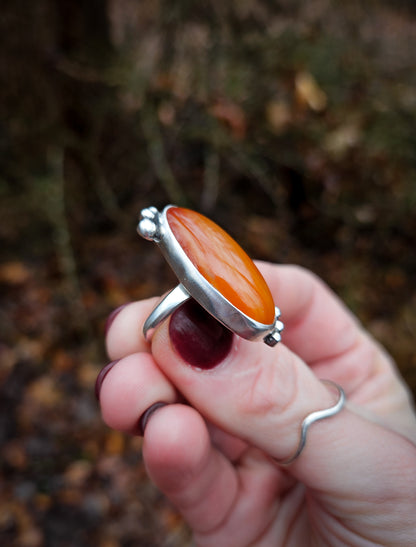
178	243
315	417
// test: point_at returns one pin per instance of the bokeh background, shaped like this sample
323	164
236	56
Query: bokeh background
292	124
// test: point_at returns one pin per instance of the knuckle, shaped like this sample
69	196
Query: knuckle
272	390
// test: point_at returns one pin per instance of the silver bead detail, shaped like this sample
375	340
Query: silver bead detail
148	226
149	212
147	229
274	337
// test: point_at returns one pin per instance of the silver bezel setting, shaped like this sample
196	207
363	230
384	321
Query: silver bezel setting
154	226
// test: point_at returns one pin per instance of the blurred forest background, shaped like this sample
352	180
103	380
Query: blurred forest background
292	124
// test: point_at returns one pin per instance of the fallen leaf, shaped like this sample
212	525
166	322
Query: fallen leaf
309	93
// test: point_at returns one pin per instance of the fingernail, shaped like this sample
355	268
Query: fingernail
198	338
145	417
100	378
112	316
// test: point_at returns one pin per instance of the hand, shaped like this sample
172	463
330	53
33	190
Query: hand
210	449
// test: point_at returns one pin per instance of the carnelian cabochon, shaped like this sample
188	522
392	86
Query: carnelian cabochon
223	263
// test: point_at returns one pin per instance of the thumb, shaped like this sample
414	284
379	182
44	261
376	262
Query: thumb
262	395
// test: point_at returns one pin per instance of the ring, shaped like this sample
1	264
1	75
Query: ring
315	417
213	270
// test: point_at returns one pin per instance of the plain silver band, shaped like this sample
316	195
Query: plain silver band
171	302
315	417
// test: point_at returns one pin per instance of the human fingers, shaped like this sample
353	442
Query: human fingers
199	355
306	303
263	394
124	329
336	349
318	326
217	499
131	387
326	335
188	459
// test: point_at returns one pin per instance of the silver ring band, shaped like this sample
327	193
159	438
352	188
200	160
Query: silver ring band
315	417
175	298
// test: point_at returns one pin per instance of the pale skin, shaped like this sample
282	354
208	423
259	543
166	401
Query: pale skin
355	482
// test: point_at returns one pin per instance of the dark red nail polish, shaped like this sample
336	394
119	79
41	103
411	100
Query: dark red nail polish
198	337
100	378
112	316
145	417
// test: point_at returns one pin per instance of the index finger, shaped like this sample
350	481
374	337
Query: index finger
321	330
306	304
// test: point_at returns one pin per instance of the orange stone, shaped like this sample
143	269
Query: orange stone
223	263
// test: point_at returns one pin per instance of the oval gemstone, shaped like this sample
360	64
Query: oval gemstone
223	263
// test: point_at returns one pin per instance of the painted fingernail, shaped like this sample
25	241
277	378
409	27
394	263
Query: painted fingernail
145	417
100	378
198	338
112	316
